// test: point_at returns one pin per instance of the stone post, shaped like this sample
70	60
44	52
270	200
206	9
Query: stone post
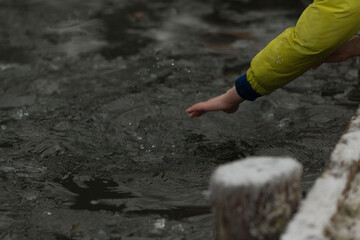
254	198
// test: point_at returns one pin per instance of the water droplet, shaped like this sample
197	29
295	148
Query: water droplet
139	138
48	213
94	202
142	146
172	64
130	123
153	146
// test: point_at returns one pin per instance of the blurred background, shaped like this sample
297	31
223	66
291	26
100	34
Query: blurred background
94	140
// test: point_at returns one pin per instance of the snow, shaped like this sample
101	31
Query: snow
321	204
318	208
255	170
347	151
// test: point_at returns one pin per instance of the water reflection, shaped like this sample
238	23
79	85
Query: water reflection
83	193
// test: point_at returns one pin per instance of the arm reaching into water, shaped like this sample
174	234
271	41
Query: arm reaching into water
322	28
227	102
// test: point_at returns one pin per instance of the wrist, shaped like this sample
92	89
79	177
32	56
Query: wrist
245	90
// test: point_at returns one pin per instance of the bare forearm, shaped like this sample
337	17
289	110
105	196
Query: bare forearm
227	102
232	97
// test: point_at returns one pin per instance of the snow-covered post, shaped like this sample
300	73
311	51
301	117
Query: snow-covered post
254	198
331	208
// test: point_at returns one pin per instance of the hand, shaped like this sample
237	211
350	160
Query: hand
227	102
349	49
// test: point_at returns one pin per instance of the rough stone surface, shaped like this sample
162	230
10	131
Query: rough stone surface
257	206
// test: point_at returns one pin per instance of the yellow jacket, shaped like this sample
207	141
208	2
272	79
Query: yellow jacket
323	27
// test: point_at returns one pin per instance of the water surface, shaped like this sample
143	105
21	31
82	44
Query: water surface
94	141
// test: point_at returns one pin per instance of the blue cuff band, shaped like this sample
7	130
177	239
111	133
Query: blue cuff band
244	89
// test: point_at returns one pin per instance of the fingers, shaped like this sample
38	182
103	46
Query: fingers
195	111
195	108
214	104
196	114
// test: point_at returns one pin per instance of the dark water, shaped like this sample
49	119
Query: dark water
94	140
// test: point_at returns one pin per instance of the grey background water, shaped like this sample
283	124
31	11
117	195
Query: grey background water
94	141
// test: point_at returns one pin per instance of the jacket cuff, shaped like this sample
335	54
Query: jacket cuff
244	89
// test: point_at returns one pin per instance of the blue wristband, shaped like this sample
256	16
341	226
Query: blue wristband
244	89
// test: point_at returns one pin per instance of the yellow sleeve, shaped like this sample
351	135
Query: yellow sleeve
323	27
